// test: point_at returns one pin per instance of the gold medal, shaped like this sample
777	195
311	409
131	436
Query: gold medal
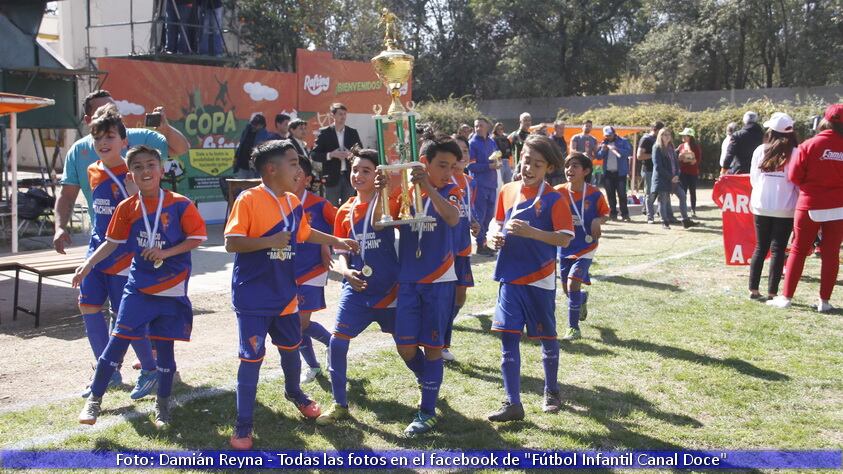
157	264
589	239
367	271
418	252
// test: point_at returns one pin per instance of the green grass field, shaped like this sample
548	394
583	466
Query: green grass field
674	356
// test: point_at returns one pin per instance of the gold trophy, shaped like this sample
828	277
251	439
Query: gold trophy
394	68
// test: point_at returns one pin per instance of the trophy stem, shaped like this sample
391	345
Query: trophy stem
404	213
385	214
419	204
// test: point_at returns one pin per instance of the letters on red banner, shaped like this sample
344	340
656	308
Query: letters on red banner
731	194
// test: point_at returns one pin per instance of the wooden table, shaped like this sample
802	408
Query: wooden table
43	263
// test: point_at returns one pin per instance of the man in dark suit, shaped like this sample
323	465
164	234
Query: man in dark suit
332	150
298	135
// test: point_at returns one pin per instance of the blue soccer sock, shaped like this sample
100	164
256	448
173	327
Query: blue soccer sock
108	362
166	367
291	365
313	331
550	362
97	331
511	366
432	375
416	364
339	366
450	329
575	299
306	351
247	390
143	349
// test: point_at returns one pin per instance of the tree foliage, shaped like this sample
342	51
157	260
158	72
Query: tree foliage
533	48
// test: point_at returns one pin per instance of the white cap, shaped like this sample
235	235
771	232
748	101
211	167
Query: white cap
607	130
750	117
780	122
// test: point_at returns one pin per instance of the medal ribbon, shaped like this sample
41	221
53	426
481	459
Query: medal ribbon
365	225
151	231
287	226
515	210
581	211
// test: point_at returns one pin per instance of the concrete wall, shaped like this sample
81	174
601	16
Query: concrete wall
545	108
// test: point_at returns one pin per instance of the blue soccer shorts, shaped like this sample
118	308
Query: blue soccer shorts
520	305
575	269
284	332
168	318
424	310
311	298
97	287
354	316
462	267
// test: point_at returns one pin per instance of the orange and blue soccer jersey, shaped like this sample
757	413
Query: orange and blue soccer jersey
311	274
379	248
358	309
106	194
435	264
320	215
462	232
594	206
523	261
263	282
179	221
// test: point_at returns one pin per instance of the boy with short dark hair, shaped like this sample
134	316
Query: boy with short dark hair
427	280
107	279
265	230
160	228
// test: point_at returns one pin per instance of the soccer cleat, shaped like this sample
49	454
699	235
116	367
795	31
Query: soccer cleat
584	306
572	335
91	410
508	412
824	306
552	403
651	221
334	414
309	375
447	356
423	423
162	412
241	440
780	302
309	410
147	381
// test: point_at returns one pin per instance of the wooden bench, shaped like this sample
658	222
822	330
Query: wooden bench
44	264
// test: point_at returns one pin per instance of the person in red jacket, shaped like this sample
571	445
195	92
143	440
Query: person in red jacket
818	171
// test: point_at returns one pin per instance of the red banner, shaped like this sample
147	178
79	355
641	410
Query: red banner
731	194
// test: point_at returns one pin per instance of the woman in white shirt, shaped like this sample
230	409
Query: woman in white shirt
773	202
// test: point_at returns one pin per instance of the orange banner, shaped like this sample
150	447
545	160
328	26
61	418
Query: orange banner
209	105
323	80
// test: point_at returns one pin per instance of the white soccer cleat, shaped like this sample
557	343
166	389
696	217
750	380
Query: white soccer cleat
824	306
447	356
779	302
309	375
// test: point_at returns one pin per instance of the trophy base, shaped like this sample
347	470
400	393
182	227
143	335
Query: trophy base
397	222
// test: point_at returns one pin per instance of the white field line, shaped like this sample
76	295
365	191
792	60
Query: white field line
107	422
